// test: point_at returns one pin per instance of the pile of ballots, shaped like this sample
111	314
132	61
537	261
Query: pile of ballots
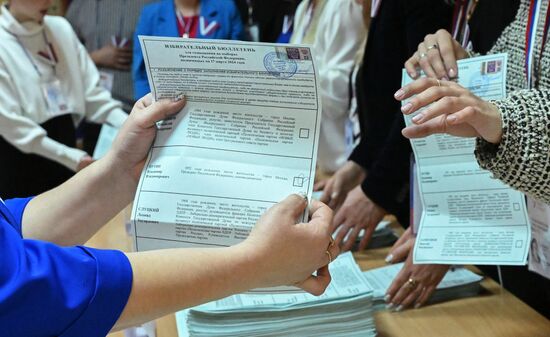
345	309
459	282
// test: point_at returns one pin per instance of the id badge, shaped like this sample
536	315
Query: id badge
57	103
539	247
106	80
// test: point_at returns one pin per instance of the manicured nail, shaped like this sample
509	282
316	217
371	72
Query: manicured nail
406	108
399	93
445	78
417	305
303	195
418	118
452	73
399	308
451	119
387	298
334	195
390	306
178	98
412	75
389	258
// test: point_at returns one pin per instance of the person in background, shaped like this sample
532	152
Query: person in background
106	28
52	286
512	134
306	20
205	19
48	84
273	20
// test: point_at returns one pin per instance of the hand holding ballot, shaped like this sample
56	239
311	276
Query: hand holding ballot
455	111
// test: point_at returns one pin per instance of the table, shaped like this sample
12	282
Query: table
494	313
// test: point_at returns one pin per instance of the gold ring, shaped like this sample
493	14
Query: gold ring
433	46
422	55
329	256
438	83
412	283
331	243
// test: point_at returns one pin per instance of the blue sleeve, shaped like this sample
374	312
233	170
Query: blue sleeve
237	29
141	84
16	207
47	290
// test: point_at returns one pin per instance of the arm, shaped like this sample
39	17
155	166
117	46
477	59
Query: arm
139	75
25	134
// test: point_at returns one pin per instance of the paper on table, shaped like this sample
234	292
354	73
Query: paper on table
246	139
539	255
468	217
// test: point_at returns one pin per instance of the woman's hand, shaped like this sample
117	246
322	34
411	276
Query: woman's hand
337	187
454	110
113	57
136	136
414	284
436	56
402	247
288	253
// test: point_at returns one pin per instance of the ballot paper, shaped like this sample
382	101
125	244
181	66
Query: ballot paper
246	139
105	140
457	283
468	217
539	247
345	309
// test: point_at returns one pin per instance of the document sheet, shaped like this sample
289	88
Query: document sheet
468	217
539	255
246	139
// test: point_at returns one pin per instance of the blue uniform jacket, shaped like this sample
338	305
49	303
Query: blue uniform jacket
47	290
159	19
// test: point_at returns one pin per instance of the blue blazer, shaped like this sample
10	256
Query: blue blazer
159	19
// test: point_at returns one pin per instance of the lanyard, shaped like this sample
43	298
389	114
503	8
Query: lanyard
375	8
462	13
530	40
185	25
50	56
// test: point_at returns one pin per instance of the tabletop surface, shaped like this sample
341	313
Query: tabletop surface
495	312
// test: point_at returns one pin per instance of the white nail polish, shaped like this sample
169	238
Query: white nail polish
390	306
417	305
389	258
178	97
452	73
399	308
334	195
387	298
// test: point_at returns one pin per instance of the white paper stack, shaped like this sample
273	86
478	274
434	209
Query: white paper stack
345	309
457	283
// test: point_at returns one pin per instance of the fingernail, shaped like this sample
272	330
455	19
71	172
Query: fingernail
389	258
178	98
387	298
452	73
451	119
417	305
303	195
390	306
418	118
399	93
445	78
405	108
412	75
334	195
399	308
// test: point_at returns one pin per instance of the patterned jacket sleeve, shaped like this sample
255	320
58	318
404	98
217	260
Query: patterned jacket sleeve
522	159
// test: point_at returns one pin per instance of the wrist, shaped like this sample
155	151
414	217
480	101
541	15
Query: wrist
247	265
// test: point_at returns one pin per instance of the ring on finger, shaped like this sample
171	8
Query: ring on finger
422	55
438	83
412	283
329	256
433	46
331	243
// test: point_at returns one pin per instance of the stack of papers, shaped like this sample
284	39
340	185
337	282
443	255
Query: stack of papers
345	309
457	283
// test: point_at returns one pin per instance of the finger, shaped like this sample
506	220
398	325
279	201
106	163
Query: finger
327	190
336	194
158	111
293	206
405	290
401	278
334	250
319	186
340	217
429	96
316	285
342	233
401	252
447	105
321	214
367	237
424	61
411	66
351	238
410	299
144	102
434	126
425	296
418	86
434	56
446	48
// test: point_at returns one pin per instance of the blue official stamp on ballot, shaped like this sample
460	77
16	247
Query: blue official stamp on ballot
282	63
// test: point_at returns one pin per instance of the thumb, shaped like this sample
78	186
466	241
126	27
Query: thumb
294	205
157	111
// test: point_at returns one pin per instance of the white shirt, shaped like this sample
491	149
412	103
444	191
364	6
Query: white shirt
340	34
22	103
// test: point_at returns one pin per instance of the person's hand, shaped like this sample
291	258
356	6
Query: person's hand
337	187
113	57
288	253
84	162
436	56
455	111
357	212
136	136
414	284
401	247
